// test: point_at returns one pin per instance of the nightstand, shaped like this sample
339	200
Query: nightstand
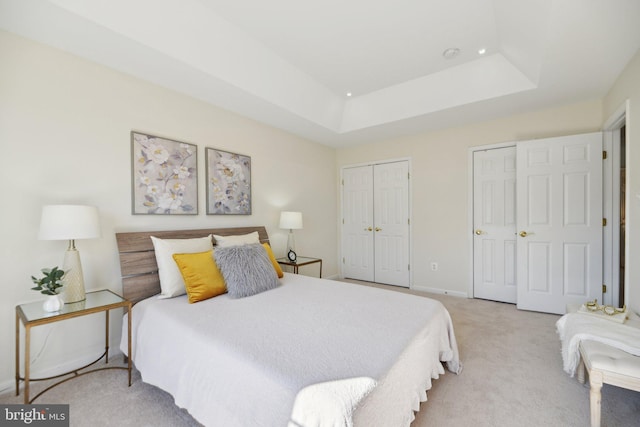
32	314
302	260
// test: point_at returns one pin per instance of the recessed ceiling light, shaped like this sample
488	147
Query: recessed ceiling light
451	53
482	51
348	93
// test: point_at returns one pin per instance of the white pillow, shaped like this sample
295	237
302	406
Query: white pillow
239	240
171	281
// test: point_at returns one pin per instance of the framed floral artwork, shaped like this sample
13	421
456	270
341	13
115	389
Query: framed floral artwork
164	176
228	183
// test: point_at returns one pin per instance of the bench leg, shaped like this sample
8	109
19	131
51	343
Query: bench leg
595	381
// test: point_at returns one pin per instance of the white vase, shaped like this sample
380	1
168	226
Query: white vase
52	303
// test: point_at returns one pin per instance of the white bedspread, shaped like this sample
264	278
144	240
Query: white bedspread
311	352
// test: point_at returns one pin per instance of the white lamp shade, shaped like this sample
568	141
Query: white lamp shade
69	222
291	220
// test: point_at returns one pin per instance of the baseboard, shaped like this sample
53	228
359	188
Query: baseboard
440	291
332	277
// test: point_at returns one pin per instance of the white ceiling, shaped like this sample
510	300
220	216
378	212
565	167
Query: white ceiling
290	63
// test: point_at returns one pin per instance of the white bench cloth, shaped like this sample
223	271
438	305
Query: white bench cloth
576	327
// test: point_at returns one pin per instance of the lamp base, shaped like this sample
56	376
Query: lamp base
291	243
73	278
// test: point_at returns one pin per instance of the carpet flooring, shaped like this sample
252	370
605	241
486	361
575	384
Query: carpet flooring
512	377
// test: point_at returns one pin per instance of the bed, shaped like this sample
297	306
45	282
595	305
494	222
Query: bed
309	352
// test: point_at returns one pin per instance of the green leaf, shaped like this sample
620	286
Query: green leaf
51	280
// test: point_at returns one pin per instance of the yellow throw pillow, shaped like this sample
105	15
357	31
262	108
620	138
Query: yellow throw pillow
272	257
201	275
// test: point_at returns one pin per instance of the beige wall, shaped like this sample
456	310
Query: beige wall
627	87
64	135
440	180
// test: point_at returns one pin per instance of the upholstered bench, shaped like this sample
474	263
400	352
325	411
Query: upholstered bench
607	365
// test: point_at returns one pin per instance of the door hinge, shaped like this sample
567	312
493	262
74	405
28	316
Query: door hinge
409	267
408	221
604	222
343	260
604	289
408	175
343	182
342	220
604	155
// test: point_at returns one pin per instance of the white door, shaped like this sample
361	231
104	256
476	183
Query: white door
391	223
357	229
559	222
494	219
376	223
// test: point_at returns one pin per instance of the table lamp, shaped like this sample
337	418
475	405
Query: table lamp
70	222
292	221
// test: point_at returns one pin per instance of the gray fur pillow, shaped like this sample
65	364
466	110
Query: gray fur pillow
247	269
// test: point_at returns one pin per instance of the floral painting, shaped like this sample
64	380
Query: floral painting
228	183
165	176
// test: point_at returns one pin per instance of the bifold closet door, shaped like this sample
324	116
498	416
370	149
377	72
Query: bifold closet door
375	228
357	229
391	218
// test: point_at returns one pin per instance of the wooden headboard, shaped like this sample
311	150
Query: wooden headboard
138	260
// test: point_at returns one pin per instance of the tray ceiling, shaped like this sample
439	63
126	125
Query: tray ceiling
290	63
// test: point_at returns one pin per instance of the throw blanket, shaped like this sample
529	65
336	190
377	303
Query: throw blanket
575	327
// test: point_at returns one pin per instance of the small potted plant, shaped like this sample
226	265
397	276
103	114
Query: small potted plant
50	284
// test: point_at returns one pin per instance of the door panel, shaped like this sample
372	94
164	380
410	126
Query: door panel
559	207
391	215
576	271
358	223
539	279
494	257
510	265
539	203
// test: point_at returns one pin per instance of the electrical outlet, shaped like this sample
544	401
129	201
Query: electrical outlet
434	266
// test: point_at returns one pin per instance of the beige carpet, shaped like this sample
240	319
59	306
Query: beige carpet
512	377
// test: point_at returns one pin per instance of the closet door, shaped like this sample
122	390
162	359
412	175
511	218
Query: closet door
391	223
357	229
494	219
375	232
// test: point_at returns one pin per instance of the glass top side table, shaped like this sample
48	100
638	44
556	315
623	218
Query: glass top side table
299	262
32	314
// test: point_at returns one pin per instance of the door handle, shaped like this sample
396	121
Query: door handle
524	233
368	229
378	229
479	232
